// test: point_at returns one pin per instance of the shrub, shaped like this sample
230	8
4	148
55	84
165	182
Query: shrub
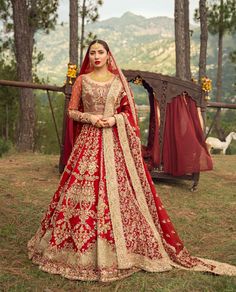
4	146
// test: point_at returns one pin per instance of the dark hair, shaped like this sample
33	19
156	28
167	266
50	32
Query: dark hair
101	42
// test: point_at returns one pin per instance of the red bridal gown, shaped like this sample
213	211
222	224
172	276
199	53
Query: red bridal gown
106	221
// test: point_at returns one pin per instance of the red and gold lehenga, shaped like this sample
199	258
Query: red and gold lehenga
106	221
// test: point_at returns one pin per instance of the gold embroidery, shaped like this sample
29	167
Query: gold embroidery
138	234
79	116
136	181
111	178
91	265
82	194
94	95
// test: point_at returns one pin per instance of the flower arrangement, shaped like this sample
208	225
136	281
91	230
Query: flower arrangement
206	86
72	71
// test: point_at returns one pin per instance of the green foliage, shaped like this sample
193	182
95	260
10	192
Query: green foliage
140	94
89	38
42	14
42	17
5	9
46	138
232	56
8	102
222	17
141	98
144	127
4	146
89	10
148	47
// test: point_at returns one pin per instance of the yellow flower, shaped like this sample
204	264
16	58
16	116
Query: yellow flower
206	84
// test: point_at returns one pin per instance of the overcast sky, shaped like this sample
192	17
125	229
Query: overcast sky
116	8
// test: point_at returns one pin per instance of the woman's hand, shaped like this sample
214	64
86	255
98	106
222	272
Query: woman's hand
100	124
109	122
105	122
95	118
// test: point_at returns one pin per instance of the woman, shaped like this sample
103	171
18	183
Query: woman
105	220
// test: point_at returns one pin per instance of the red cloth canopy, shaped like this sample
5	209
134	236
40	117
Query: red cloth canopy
184	148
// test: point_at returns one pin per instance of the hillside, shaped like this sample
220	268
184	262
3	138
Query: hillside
137	43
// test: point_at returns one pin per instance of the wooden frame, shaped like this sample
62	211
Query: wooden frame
165	88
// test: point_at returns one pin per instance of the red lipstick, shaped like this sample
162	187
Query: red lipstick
97	62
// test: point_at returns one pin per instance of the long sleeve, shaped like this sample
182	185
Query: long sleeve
73	111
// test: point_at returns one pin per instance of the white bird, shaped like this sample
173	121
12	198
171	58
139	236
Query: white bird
215	143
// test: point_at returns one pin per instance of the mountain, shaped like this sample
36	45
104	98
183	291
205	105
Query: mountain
137	43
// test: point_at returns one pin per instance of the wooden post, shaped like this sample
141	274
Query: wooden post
73	60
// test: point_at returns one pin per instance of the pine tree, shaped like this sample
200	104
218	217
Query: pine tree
25	18
182	39
221	19
88	13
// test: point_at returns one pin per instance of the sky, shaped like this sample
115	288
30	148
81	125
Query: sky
146	8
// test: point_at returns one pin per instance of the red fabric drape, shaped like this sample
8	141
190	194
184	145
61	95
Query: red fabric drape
184	148
151	152
72	131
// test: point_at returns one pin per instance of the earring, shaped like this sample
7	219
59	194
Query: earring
109	61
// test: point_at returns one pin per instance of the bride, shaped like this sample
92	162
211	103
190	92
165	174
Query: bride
106	221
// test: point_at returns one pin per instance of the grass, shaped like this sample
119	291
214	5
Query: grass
205	220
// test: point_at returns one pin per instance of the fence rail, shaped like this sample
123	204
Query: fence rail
32	85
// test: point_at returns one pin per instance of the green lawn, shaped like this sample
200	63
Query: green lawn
205	220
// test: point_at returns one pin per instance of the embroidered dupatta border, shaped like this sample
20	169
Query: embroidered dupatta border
111	176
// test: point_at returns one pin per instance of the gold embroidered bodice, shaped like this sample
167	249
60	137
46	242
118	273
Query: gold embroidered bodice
94	95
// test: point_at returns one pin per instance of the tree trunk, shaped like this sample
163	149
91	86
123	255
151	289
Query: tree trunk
182	39
203	39
23	52
187	39
74	16
219	68
82	31
7	122
219	73
74	32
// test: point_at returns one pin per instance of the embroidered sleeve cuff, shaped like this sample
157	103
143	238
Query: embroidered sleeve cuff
79	116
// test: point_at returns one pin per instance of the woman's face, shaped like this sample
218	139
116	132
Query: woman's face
98	56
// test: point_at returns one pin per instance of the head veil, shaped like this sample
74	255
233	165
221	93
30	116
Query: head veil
72	127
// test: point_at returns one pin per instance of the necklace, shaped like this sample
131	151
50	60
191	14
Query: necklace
101	78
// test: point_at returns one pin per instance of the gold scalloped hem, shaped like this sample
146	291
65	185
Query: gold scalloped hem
110	274
104	274
222	269
72	273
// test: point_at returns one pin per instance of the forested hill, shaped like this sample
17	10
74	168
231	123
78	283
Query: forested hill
137	43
